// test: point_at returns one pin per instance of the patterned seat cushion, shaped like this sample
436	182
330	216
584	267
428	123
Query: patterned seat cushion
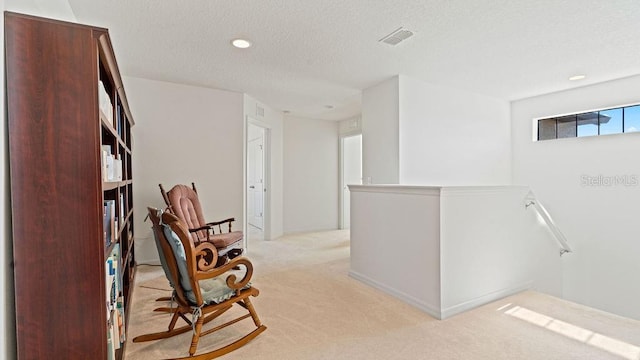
214	290
225	239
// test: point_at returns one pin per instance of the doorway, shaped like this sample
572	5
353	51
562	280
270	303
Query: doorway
351	161
256	180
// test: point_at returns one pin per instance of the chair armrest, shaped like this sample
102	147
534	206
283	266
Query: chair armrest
210	225
235	263
207	270
209	230
205	227
218	223
221	222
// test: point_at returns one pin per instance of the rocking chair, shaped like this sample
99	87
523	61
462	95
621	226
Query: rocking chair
201	290
183	202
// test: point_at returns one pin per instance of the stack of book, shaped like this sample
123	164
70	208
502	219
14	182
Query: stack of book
111	165
114	302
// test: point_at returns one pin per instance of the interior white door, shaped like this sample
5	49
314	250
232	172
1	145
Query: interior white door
351	173
255	180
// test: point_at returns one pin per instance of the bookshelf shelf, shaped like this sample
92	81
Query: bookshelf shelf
110	185
73	266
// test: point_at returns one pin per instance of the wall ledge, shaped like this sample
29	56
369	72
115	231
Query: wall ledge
397	189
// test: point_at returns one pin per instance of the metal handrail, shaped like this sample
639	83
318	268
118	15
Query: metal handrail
542	211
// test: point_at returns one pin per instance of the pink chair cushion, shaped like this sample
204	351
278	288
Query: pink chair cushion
186	206
225	239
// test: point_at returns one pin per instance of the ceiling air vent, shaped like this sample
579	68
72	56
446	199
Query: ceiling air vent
396	36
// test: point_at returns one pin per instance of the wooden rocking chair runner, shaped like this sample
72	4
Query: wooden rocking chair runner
201	290
183	202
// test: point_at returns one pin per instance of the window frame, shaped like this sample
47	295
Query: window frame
537	122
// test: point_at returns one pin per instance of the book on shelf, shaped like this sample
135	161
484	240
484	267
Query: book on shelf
113	339
114	299
115	331
106	227
117	168
105	224
118	119
107	163
121	317
109	222
111	286
109	278
104	101
114	229
113	280
122	214
111	351
111	165
115	254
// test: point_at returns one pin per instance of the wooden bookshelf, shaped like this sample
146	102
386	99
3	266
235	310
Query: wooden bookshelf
58	124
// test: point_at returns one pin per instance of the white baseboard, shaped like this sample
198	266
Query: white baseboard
485	299
430	309
435	310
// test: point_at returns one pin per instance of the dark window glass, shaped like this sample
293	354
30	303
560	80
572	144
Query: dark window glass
546	129
566	126
632	118
588	124
610	121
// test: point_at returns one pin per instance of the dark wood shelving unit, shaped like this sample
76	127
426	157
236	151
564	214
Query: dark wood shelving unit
56	134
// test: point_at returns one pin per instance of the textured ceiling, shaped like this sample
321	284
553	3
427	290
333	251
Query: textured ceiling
309	54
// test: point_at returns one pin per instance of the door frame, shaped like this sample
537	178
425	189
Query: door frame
341	213
266	228
255	183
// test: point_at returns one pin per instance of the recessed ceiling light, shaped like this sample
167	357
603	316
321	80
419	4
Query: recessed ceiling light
577	77
241	43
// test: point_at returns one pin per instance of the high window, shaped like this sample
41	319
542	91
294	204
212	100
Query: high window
610	121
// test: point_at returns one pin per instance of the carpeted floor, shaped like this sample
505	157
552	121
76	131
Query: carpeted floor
314	310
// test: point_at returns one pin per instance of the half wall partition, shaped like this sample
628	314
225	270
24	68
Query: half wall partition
446	250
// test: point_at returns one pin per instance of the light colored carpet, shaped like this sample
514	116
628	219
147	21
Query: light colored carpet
314	310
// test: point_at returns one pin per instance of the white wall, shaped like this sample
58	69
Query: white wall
350	126
493	246
273	120
419	133
395	242
310	174
185	134
600	222
380	147
452	137
56	9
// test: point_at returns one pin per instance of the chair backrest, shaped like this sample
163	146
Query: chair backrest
173	256
184	203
